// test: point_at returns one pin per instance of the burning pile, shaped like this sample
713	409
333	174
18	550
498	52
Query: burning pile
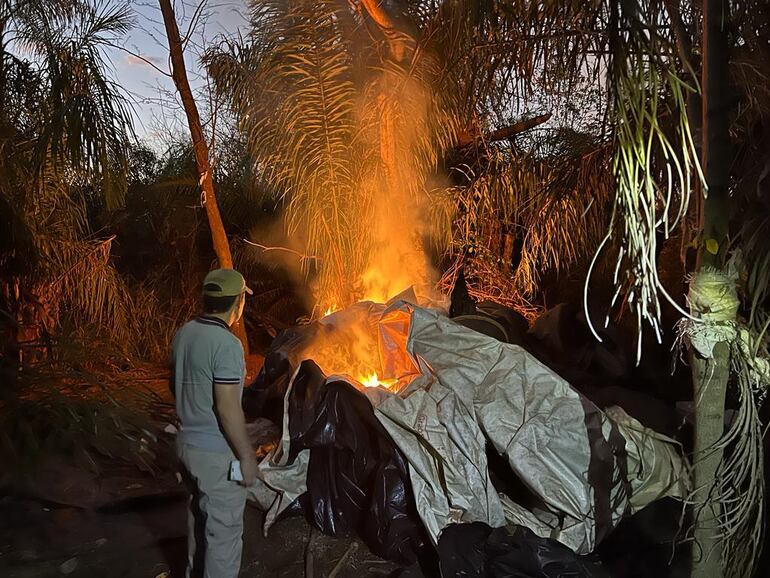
365	344
441	393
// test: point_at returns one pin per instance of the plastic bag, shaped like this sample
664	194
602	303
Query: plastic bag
477	550
357	479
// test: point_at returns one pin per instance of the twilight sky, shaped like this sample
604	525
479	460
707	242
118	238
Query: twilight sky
149	90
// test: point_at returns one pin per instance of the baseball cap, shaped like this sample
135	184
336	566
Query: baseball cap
224	283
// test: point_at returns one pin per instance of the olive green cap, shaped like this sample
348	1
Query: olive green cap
224	283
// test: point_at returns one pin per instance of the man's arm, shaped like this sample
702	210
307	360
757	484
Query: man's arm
227	398
172	369
172	380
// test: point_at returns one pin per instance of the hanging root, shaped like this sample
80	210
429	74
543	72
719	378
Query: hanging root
740	482
655	163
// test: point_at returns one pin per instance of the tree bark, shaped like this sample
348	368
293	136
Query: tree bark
710	376
201	150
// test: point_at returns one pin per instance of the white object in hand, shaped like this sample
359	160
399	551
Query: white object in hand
235	471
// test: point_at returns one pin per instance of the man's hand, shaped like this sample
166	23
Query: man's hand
249	471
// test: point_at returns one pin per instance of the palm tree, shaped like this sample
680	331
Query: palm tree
342	114
66	128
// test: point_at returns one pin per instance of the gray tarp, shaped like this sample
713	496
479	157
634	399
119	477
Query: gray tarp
459	388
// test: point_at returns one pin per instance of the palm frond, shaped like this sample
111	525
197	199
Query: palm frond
84	119
535	211
351	141
296	98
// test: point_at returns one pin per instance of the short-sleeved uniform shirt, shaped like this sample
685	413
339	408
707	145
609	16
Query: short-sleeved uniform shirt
204	351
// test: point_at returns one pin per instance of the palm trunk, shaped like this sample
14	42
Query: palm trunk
200	148
710	376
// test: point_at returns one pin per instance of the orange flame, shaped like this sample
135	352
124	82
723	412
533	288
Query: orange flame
329	310
371	380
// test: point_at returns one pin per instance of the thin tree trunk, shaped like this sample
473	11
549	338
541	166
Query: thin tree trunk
710	376
200	148
400	43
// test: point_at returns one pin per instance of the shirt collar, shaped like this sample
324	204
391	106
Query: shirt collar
209	320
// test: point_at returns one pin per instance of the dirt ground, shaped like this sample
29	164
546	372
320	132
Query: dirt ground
146	538
121	522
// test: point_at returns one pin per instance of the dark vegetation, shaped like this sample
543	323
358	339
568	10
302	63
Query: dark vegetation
103	240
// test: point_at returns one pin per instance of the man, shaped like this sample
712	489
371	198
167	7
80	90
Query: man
208	370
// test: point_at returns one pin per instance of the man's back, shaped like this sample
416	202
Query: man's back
204	351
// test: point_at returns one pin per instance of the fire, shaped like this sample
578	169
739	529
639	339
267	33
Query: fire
372	380
330	310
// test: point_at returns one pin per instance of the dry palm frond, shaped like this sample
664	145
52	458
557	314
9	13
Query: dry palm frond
296	99
73	273
74	280
534	212
488	282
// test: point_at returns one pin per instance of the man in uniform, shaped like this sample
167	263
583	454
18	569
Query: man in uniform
208	370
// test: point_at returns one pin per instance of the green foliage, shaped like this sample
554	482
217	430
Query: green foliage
83	120
654	158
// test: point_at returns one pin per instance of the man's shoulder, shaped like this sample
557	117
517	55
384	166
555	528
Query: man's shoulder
206	329
185	329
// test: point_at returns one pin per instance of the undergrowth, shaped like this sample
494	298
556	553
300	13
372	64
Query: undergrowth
91	409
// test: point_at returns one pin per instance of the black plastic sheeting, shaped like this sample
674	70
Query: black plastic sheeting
476	550
357	479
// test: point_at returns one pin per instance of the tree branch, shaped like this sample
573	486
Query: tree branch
265	248
138	56
400	43
378	14
505	132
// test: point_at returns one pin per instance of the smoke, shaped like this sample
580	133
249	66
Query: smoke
270	246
